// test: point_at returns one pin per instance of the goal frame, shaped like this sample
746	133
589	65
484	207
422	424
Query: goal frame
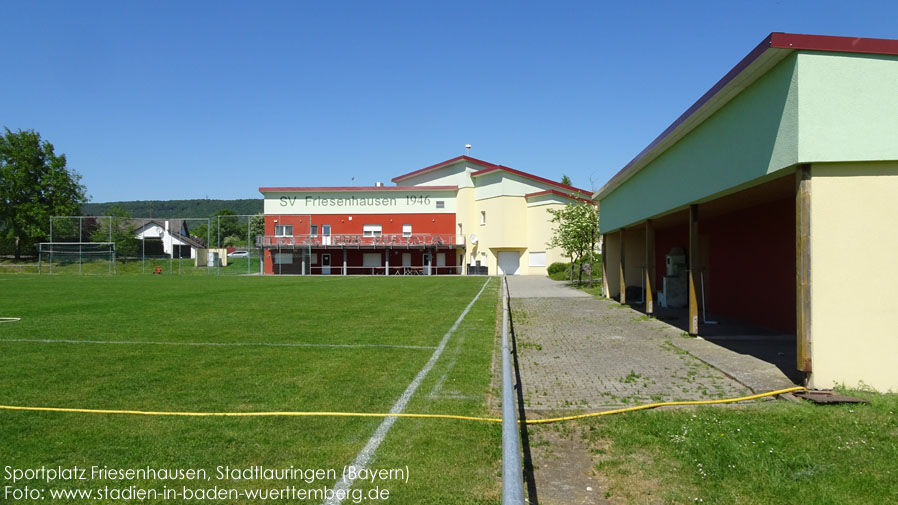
49	247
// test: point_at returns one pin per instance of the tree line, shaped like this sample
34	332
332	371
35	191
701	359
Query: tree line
35	185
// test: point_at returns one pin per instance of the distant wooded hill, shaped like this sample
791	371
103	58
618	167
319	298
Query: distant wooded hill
176	208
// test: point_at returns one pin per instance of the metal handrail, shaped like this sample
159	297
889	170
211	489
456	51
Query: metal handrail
512	473
392	239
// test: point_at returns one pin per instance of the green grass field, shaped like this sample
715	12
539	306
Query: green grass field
128	266
387	327
770	453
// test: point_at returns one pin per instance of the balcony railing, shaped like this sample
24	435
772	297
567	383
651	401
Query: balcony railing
361	240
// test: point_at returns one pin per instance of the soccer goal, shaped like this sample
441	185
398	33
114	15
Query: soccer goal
83	257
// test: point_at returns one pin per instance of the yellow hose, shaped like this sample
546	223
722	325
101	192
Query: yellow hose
418	416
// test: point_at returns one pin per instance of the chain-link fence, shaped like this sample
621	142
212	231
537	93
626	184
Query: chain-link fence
222	245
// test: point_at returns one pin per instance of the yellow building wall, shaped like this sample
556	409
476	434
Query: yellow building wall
539	233
505	229
635	254
611	259
854	273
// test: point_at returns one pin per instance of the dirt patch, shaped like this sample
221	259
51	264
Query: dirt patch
564	472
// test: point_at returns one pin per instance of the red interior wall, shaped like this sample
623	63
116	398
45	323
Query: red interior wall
665	240
751	275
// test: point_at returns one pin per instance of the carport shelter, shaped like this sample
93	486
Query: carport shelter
780	185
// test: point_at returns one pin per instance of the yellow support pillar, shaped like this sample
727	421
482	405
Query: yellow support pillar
649	268
622	249
606	292
803	265
693	269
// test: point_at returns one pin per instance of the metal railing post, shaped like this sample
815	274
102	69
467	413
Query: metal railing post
512	472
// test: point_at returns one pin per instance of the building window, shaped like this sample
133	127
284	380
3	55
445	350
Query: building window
371	230
538	259
482	217
283	230
441	204
313	258
406	230
314	230
283	258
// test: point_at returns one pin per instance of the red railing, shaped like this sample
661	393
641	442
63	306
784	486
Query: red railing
354	240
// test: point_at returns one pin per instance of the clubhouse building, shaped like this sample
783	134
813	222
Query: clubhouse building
460	216
772	201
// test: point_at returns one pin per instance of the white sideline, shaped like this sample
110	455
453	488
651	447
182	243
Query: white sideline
216	344
367	453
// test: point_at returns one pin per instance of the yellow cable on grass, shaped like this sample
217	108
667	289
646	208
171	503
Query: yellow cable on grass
418	416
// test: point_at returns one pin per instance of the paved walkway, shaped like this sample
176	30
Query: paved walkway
588	354
582	353
533	286
578	353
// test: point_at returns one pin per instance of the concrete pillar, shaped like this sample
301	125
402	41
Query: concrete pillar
344	260
387	262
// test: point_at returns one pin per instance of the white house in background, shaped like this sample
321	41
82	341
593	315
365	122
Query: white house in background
175	237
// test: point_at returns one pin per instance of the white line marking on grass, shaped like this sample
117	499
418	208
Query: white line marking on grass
214	344
364	457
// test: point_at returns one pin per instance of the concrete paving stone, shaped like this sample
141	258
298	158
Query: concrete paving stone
588	354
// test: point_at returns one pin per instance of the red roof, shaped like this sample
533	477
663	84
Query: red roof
559	193
776	41
832	43
441	165
359	188
495	168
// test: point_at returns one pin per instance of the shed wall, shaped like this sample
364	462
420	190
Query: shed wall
853	273
753	135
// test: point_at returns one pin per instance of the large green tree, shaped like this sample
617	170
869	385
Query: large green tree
34	185
576	233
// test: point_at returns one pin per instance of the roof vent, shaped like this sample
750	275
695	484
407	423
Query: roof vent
378	184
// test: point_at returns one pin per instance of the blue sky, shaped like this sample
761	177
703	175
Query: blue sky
170	100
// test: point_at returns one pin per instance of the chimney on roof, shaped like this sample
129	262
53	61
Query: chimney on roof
378	184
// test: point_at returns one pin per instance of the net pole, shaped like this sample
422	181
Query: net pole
51	249
248	246
40	252
218	246
80	239
112	266
171	250
208	242
143	250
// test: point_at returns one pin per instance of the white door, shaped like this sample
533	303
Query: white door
509	262
325	234
441	262
325	264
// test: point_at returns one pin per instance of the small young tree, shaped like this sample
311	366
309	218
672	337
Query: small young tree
576	233
256	228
